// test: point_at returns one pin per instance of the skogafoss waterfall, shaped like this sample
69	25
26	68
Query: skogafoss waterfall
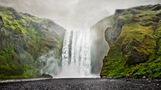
76	56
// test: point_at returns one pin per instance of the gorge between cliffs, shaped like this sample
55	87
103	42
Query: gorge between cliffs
123	45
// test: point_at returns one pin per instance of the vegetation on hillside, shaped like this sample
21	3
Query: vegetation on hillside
24	38
136	51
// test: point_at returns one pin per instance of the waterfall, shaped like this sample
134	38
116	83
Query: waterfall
76	58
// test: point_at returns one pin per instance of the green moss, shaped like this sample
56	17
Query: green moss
136	52
23	39
18	72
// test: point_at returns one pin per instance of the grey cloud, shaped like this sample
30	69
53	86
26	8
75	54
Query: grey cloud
73	13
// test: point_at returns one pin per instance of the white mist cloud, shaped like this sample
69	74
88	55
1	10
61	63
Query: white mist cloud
73	14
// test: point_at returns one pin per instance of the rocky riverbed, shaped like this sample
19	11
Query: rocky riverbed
81	84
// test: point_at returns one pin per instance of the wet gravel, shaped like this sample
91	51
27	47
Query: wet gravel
82	84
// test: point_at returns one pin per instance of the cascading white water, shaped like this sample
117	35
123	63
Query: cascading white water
76	58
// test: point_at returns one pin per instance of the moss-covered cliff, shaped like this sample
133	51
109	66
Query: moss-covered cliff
24	38
135	43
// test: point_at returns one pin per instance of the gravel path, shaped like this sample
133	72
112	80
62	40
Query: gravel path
81	84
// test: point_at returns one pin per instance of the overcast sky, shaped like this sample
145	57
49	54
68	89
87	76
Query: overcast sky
73	14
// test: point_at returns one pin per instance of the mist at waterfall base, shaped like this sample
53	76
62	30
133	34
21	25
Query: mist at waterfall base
76	57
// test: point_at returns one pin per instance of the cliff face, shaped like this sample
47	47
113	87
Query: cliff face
23	39
99	46
134	40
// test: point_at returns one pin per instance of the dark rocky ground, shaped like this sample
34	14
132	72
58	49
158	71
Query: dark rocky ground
82	84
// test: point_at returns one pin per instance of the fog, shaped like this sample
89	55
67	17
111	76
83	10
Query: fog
73	14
